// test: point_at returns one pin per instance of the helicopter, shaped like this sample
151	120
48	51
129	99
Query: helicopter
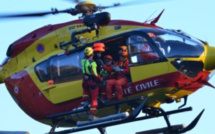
155	82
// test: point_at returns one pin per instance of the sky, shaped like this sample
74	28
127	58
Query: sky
195	17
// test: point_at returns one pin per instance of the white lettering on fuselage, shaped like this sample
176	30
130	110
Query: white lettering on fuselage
146	85
140	87
127	90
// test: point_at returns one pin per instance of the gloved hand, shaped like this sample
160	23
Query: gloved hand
117	69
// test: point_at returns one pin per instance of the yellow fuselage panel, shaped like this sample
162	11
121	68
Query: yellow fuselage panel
147	71
66	91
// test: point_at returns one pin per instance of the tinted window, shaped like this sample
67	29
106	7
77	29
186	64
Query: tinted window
175	45
43	72
61	68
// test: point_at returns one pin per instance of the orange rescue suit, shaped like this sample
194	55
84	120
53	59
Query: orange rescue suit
120	81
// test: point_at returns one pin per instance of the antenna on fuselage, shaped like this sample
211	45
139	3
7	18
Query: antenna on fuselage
155	20
148	19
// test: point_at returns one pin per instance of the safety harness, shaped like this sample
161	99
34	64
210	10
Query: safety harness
88	78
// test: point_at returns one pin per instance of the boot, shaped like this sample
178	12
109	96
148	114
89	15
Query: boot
85	104
105	100
91	117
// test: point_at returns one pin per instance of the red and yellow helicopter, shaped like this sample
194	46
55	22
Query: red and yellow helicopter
53	52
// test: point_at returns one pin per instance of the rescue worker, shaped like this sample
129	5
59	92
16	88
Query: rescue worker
123	72
157	41
110	78
90	81
98	49
147	54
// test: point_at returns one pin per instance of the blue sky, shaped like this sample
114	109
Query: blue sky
195	17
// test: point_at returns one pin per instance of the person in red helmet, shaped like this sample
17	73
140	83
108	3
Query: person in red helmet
110	78
147	53
99	49
90	81
122	69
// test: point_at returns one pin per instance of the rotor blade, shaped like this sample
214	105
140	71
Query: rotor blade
105	7
137	2
25	15
131	3
40	14
73	1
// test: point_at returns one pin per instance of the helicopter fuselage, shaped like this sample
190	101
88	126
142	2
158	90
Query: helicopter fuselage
37	58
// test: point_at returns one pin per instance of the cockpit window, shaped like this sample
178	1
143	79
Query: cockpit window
66	68
61	68
139	44
43	72
141	51
175	45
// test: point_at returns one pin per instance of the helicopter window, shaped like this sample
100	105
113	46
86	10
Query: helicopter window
188	68
141	51
112	46
66	68
175	45
61	68
43	71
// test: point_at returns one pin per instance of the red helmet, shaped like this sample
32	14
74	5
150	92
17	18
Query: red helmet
109	57
99	50
98	47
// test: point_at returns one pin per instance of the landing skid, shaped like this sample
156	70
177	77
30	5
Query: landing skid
60	117
103	124
117	119
176	129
